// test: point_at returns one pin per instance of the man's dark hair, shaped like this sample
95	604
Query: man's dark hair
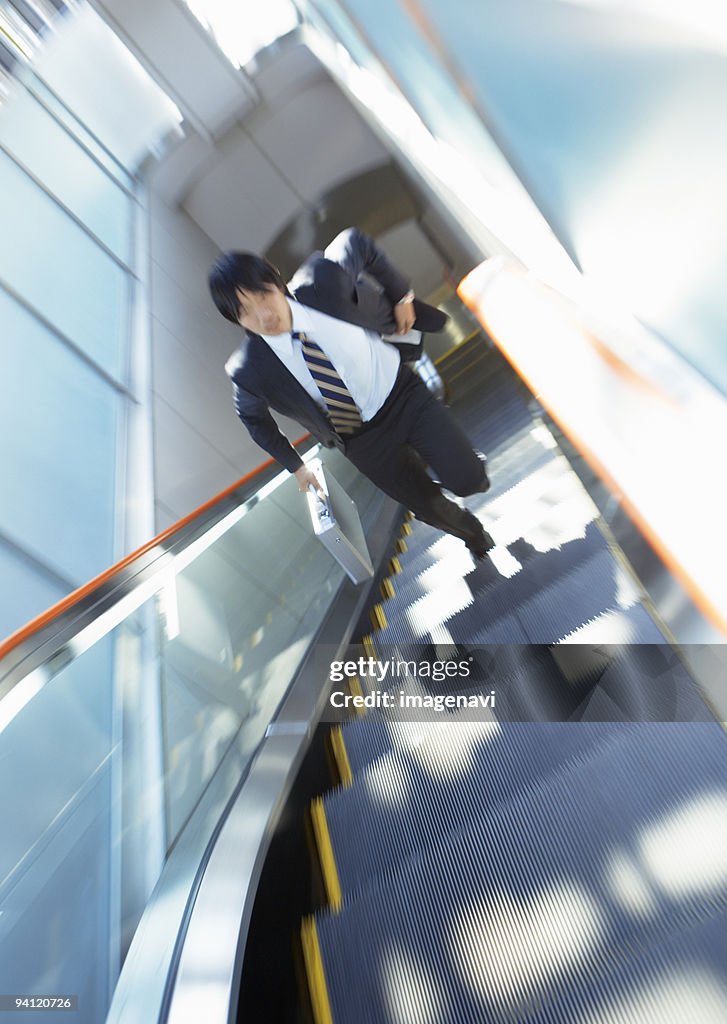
242	270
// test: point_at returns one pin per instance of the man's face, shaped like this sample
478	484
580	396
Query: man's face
264	312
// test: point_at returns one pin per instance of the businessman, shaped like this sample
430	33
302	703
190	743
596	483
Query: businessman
315	351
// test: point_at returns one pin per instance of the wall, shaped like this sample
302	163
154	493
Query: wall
64	307
71	130
200	446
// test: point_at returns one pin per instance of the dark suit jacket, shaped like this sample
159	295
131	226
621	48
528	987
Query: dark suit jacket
331	283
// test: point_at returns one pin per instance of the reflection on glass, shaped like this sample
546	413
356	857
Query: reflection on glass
61	113
245	613
57	454
111	757
56	869
53	156
79	288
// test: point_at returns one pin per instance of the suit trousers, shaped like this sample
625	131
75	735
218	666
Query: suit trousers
411	431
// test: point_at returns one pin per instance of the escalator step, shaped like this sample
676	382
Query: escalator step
537	697
526	688
444	773
548	599
684	978
563	882
497	594
631	688
493	427
624	625
367	738
577	597
507	476
504	630
370	737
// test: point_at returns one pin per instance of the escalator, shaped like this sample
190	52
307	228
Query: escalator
560	845
529	872
555	576
563	856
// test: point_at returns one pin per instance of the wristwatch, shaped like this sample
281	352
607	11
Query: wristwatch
409	297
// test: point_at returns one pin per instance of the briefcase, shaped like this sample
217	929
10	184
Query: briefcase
337	526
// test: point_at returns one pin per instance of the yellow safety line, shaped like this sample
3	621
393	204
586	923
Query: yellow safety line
367	642
405	530
325	853
340	756
377	617
394	566
479	359
320	1000
401	546
387	589
354	685
456	348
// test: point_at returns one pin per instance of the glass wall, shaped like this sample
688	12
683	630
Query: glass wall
67	211
56	823
58	426
76	121
46	143
150	714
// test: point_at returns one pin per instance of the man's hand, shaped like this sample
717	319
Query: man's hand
305	478
404	316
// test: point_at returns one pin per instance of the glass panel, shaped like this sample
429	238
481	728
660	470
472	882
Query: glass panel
55	863
329	17
426	84
107	88
62	114
82	843
59	482
26	590
65	275
247	610
51	154
111	757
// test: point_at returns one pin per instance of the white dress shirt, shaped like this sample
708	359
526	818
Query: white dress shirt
367	365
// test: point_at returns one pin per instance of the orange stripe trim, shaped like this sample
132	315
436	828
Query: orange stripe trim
38	623
711	611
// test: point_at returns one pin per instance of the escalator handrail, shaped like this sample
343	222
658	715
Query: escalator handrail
56	610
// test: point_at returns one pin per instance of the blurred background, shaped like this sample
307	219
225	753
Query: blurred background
550	172
136	141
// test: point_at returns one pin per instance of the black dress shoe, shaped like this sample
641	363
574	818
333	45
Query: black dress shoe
446	515
480	550
475	536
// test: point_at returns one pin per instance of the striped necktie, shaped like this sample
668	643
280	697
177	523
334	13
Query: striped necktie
344	413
